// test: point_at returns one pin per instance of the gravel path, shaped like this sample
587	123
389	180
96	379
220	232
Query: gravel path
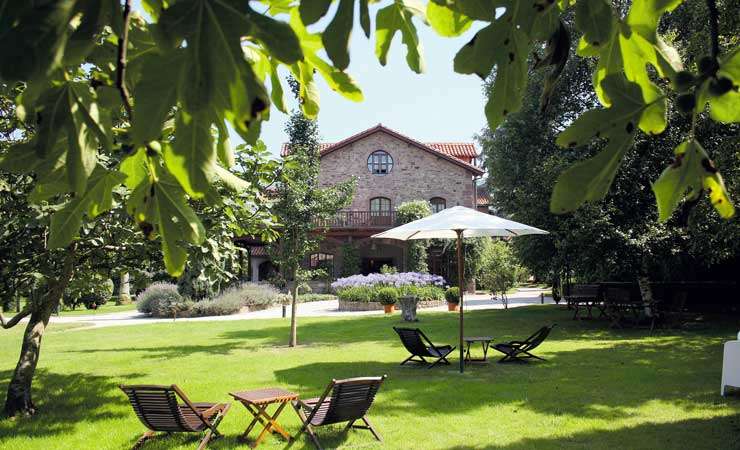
327	308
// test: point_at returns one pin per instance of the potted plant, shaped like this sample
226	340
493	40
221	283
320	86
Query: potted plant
388	297
452	295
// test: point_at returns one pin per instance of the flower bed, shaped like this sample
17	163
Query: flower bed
364	292
388	279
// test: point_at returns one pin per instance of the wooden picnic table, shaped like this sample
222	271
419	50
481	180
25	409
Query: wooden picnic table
256	402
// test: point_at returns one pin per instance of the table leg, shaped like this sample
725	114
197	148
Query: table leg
257	414
485	345
271	425
467	351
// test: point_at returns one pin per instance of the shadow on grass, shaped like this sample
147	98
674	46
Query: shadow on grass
516	323
646	436
64	401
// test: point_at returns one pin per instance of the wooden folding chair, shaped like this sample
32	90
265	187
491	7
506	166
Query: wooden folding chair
158	409
342	401
421	347
521	350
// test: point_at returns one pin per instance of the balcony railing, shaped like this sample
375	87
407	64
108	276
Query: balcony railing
359	219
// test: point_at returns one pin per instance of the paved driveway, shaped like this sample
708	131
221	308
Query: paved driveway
328	308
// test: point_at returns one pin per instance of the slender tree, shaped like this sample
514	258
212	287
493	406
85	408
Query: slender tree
301	203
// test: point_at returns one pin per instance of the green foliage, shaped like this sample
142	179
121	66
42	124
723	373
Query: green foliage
300	202
386	269
350	260
159	300
306	298
500	270
249	294
387	295
359	294
412	210
431	293
88	288
221	306
523	163
452	295
88	110
417	249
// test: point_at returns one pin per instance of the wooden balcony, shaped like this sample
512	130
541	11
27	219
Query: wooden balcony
359	220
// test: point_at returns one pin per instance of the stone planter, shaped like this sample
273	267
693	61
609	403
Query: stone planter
408	308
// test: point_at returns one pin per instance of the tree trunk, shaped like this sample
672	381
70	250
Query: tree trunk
293	310
124	290
18	400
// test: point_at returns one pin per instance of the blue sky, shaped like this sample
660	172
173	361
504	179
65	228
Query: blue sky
438	105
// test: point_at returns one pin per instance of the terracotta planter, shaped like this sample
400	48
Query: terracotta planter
389	308
452	306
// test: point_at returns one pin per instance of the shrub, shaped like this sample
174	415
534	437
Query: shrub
93	300
387	295
305	298
452	295
172	307
223	306
250	294
350	259
160	292
430	293
358	294
386	269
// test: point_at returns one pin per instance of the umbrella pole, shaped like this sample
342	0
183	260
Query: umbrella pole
461	284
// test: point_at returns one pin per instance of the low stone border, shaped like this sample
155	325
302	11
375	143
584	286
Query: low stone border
377	306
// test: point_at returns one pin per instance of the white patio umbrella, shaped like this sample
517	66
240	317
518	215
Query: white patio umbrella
457	223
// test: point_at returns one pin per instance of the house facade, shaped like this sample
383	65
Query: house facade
390	169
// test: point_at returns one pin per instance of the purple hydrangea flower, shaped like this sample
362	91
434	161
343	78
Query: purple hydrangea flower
391	279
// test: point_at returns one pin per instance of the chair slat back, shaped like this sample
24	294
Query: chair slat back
350	399
412	340
536	339
583	290
157	407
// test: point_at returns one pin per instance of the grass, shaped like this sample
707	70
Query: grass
108	308
599	389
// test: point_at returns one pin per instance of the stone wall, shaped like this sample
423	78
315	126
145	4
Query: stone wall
416	174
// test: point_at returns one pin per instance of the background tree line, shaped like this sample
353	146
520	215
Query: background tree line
618	237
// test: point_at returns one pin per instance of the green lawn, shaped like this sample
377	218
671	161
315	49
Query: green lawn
108	308
600	388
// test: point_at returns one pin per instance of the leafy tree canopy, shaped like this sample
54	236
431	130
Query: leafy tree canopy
85	65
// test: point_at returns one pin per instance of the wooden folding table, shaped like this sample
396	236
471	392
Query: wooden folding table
256	402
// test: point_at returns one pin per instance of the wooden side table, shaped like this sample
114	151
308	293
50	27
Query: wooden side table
256	402
485	342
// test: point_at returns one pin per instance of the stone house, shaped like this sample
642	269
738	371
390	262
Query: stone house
390	169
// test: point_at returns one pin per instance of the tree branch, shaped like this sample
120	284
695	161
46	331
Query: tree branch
14	321
714	26
121	64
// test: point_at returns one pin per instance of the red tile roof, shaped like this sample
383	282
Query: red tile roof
457	149
483	199
457	152
258	251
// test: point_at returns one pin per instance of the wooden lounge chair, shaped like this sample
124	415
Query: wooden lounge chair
521	350
421	347
158	409
342	401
